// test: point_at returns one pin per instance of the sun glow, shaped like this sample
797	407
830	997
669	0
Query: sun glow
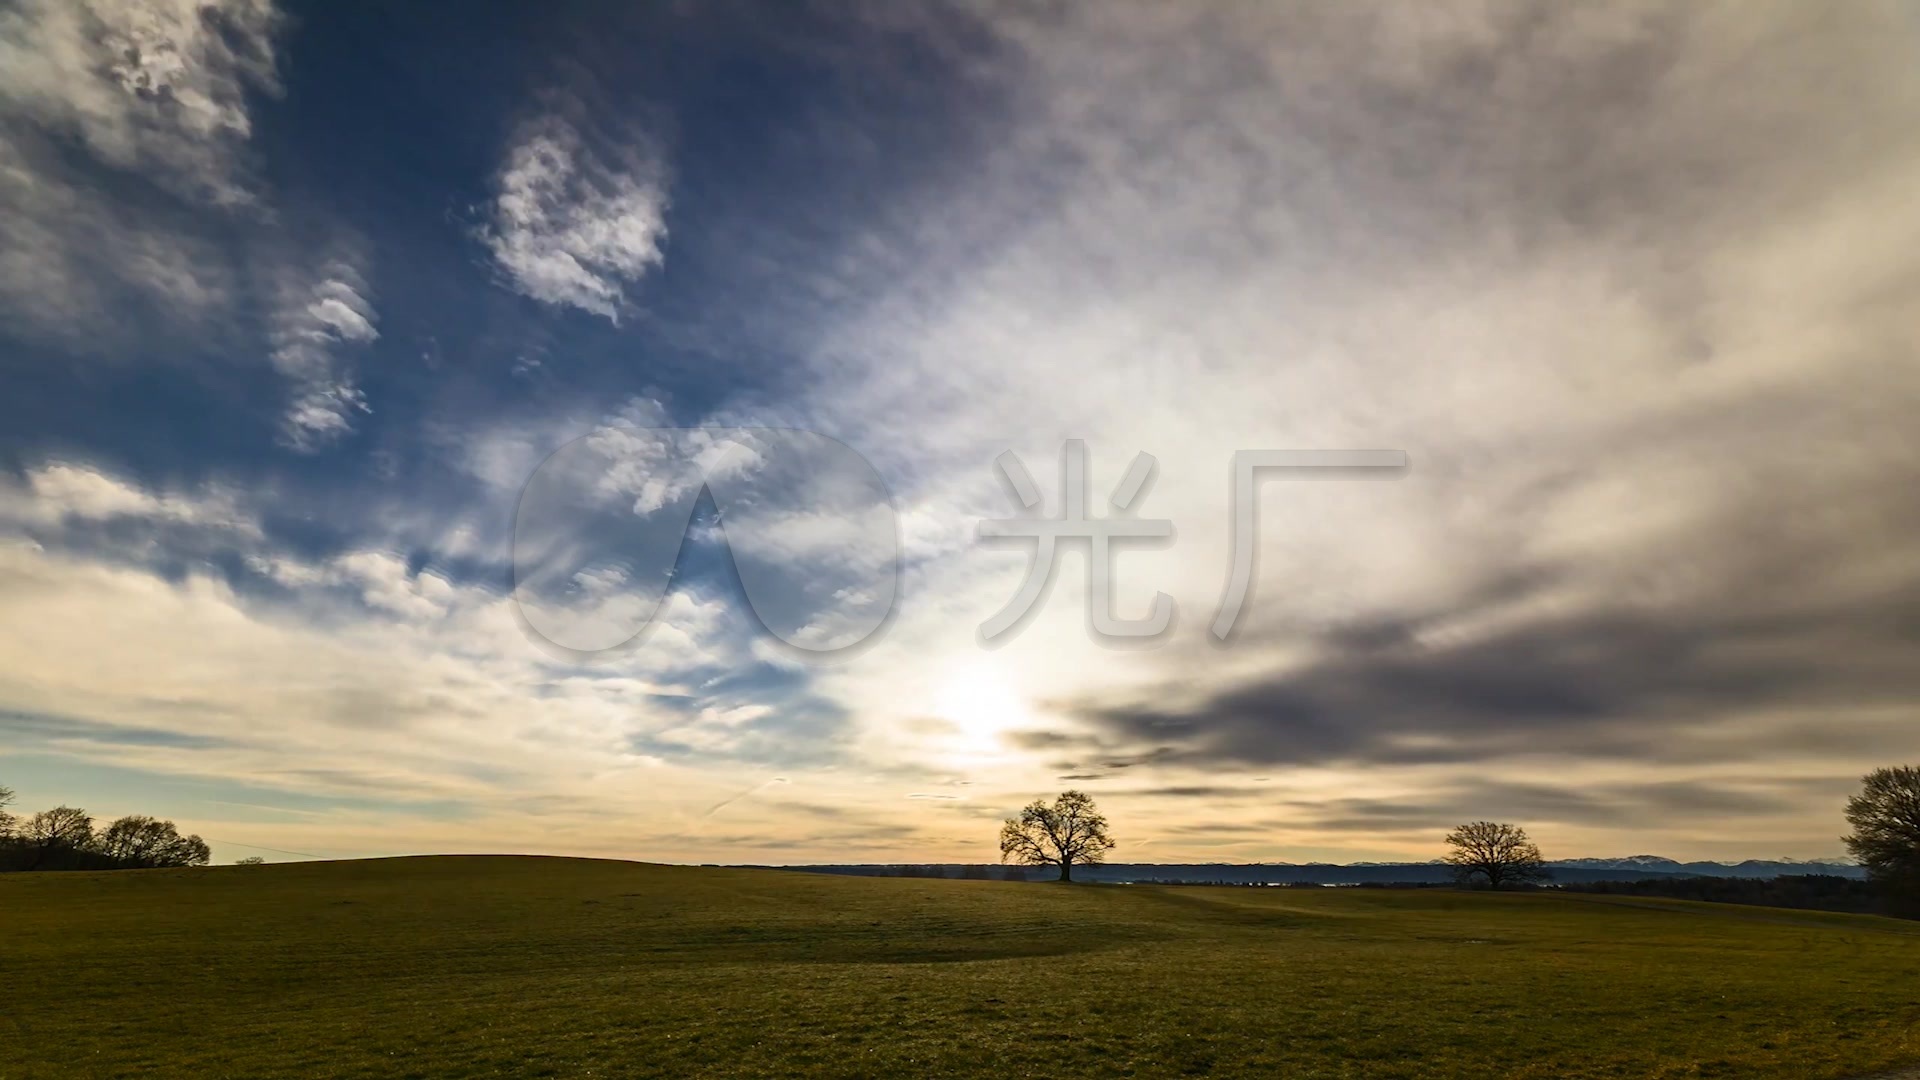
982	706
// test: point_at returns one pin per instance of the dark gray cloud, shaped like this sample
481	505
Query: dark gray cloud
1601	686
27	728
1613	678
1622	805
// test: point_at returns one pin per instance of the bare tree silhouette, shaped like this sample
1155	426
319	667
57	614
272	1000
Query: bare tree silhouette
1070	831
1498	852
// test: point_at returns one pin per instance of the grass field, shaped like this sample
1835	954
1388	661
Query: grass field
497	966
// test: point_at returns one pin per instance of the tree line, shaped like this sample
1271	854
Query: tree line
66	838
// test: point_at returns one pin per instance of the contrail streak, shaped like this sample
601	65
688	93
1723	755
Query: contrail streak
731	799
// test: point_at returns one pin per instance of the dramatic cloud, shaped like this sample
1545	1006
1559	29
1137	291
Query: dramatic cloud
1632	288
68	256
574	223
1563	259
157	87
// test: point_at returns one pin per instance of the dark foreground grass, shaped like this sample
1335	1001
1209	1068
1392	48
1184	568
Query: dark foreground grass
557	967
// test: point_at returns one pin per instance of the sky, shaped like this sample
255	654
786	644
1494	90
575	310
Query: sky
568	428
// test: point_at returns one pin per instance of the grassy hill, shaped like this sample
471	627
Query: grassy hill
507	966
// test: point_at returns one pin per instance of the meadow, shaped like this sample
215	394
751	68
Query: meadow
512	966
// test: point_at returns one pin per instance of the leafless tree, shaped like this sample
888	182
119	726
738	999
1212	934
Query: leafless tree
7	821
1499	853
1886	833
50	833
147	842
1070	831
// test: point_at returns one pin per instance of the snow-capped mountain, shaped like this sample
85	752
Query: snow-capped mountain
1565	871
1751	868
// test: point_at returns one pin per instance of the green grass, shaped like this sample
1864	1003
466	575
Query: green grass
558	967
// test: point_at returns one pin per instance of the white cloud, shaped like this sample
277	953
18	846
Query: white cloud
573	225
316	322
600	581
386	583
655	466
291	573
59	491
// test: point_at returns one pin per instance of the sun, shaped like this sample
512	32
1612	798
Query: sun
982	705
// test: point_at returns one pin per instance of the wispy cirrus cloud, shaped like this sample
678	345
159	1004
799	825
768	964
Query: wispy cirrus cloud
156	96
154	218
156	87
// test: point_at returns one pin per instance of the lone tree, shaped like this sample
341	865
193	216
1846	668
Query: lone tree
1500	853
6	819
1886	833
1070	831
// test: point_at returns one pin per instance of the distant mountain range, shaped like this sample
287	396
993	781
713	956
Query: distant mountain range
1569	871
1751	868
